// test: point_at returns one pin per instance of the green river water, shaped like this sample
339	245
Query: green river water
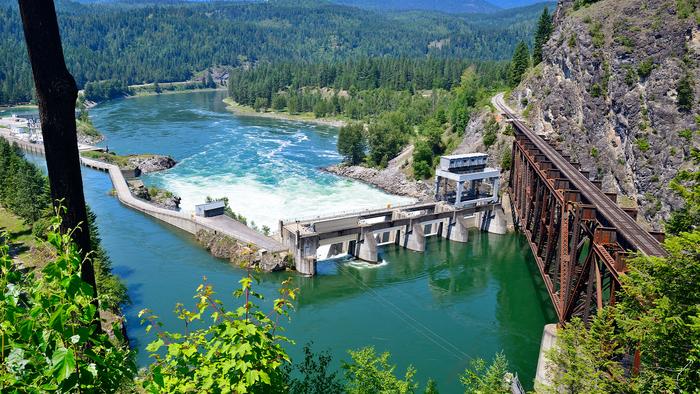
435	310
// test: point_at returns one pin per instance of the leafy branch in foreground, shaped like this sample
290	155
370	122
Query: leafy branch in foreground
49	341
240	351
492	379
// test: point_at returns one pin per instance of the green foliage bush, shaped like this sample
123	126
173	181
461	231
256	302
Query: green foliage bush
686	95
492	379
240	351
646	67
386	136
369	373
47	328
578	4
351	143
630	76
597	35
687	185
490	135
506	159
642	144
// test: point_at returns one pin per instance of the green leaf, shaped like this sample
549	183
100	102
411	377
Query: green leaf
158	377
58	319
63	362
155	345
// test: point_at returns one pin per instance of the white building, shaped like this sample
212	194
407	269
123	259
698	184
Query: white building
464	180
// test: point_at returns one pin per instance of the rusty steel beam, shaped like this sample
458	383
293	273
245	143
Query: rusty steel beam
558	223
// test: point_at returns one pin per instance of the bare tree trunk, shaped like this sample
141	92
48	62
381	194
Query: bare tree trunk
56	93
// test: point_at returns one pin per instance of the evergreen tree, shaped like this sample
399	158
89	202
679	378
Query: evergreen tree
519	64
544	30
210	81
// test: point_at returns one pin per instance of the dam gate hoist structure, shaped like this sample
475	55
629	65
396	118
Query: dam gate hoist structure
466	194
578	234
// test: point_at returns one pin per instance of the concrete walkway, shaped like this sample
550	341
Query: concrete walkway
183	220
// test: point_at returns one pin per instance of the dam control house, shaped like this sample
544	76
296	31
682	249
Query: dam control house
464	180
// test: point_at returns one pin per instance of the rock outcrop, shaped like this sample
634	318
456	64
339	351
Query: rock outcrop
224	247
151	163
156	196
392	179
609	90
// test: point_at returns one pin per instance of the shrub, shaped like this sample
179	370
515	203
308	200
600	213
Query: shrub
506	159
490	133
686	134
240	351
48	329
642	144
685	93
371	373
645	67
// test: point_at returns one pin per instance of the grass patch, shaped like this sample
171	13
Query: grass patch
87	128
113	158
642	144
22	241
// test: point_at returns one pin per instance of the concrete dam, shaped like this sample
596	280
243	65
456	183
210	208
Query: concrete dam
466	194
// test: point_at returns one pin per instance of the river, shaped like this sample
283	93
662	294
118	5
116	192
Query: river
434	310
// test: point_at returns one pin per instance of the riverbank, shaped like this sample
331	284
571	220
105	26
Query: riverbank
242	110
18	106
393	179
164	90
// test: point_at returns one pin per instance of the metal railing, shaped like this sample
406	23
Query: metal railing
361	212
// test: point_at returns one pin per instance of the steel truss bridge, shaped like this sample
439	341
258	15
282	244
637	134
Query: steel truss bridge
578	234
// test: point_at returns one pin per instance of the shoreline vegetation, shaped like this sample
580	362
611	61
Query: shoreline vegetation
244	110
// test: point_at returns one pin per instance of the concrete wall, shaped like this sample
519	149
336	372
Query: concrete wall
544	365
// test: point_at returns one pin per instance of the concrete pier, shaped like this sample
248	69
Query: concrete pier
544	365
415	238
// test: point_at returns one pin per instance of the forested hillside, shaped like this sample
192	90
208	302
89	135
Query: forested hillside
136	44
452	6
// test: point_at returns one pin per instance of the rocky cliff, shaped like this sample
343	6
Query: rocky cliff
618	87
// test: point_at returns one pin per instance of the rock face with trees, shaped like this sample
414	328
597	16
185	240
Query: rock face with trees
618	89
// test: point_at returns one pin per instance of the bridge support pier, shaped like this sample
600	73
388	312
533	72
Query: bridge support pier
456	230
305	256
367	248
415	239
545	365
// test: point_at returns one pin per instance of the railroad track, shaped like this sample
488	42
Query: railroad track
629	229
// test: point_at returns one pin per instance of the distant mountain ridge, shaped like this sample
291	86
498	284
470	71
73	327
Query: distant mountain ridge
448	6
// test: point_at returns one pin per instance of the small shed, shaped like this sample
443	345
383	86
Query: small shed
210	209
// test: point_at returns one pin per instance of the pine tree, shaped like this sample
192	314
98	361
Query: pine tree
544	30
519	64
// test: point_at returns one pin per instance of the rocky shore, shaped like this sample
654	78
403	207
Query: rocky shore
160	197
228	248
391	179
151	163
